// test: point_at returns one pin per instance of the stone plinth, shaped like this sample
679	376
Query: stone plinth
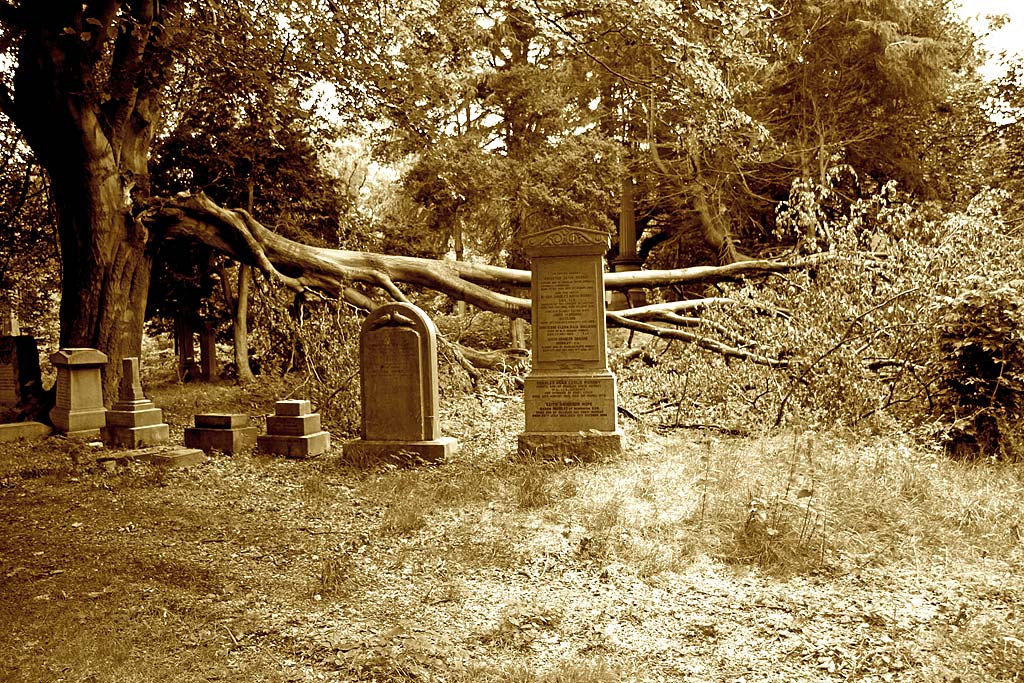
294	431
79	412
398	367
161	456
133	421
629	298
570	392
19	369
224	432
28	431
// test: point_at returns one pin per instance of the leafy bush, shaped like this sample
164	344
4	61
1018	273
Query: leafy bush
319	339
981	338
862	327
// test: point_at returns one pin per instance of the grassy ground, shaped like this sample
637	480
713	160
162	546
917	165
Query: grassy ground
783	557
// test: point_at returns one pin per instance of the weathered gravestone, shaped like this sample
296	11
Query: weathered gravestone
79	411
294	431
133	421
19	369
570	392
398	366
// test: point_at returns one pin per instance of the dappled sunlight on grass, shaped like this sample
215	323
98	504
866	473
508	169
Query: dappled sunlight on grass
491	567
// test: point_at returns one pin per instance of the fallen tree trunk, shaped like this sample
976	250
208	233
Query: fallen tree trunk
335	273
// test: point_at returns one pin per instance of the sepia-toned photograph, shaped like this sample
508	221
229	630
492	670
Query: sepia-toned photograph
515	341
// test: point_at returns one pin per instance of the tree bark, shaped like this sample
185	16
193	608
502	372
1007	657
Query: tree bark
240	325
89	109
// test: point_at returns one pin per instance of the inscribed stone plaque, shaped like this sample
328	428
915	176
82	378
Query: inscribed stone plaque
568	311
398	363
392	366
570	404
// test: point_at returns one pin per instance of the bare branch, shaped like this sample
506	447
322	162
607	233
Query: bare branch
703	342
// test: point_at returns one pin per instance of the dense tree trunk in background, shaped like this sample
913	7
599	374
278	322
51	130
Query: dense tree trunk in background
238	304
240	325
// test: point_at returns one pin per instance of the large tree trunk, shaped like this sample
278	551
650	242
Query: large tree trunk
238	304
106	268
88	108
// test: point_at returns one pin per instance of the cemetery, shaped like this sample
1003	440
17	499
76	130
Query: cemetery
511	342
479	502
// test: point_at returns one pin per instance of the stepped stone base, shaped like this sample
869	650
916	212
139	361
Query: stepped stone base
134	418
224	440
306	446
571	446
79	424
294	431
363	453
224	432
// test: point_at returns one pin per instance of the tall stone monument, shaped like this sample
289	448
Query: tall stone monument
570	392
133	421
79	411
398	364
628	260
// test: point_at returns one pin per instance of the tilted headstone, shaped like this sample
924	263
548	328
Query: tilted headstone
133	421
224	432
79	411
398	367
19	369
570	392
294	431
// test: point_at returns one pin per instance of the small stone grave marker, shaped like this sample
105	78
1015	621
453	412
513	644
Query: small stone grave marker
224	432
19	369
133	421
570	392
294	431
161	456
79	411
398	367
24	431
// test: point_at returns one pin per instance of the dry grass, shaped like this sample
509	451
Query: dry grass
796	555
